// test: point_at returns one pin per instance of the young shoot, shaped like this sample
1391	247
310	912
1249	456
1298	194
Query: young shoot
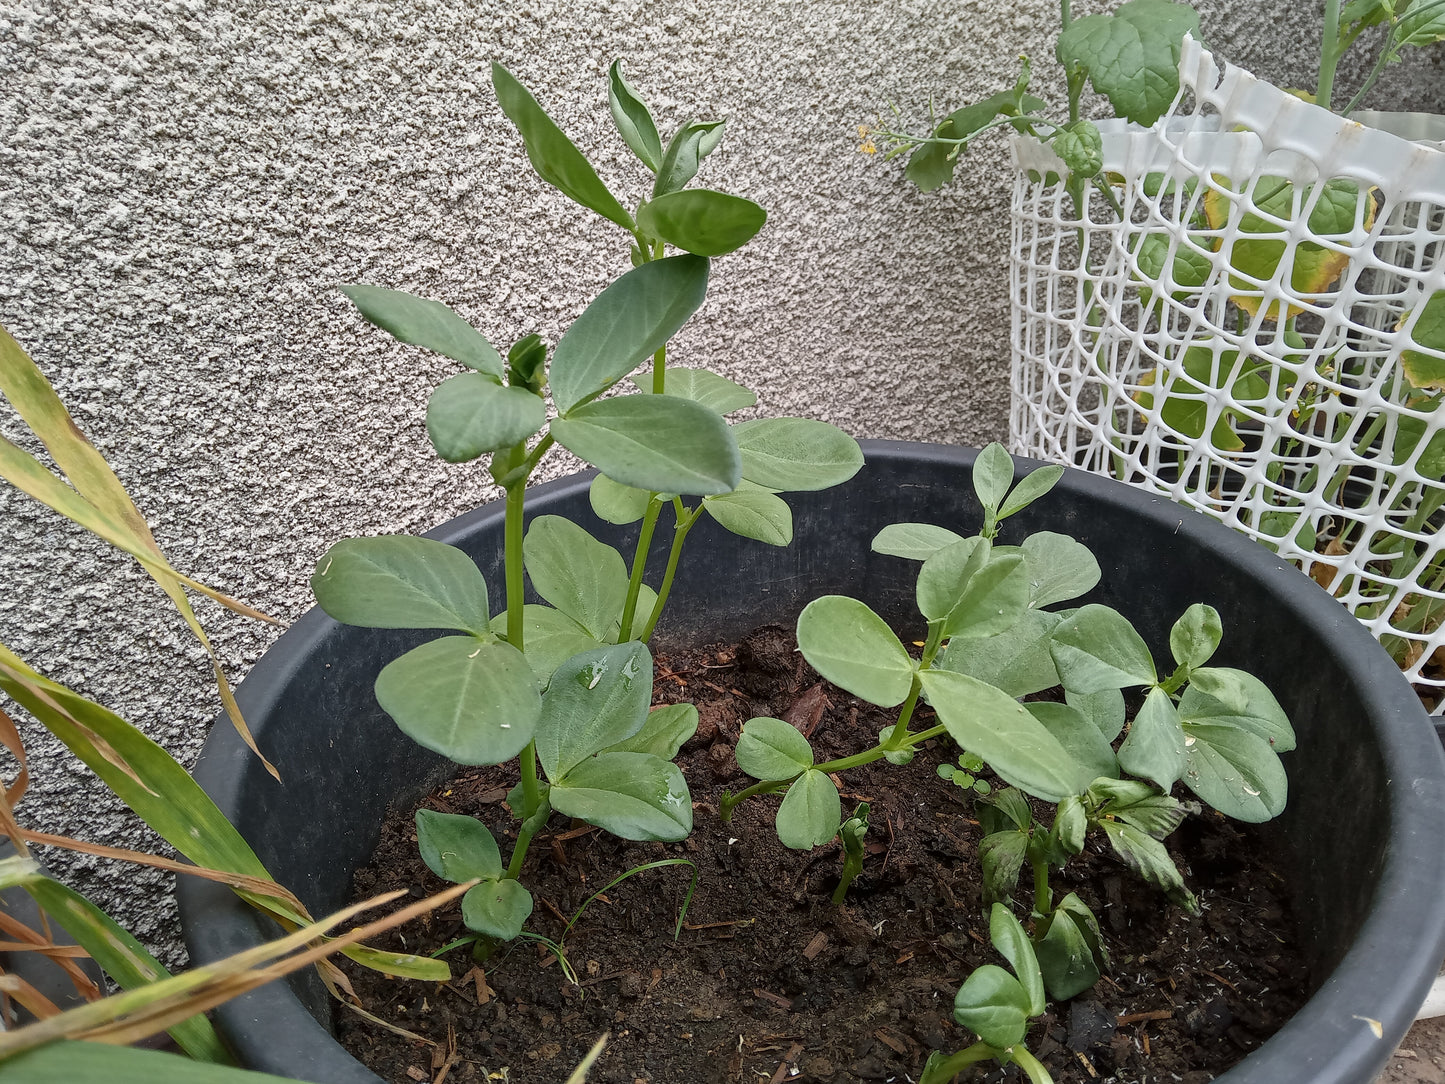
563	685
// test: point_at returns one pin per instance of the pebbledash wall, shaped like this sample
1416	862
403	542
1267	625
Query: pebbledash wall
183	184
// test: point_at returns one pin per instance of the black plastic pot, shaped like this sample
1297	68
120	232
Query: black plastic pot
1362	843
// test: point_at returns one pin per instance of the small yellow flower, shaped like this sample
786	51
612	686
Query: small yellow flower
868	147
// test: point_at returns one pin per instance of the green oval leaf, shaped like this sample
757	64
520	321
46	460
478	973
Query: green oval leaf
811	812
796	454
1016	660
854	648
773	749
1019	748
1154	748
549	639
1079	737
1424	362
1235	771
654	442
666	730
993	471
1013	944
615	502
1196	635
753	512
914	541
1261	713
401	582
627	322
993	599
945	575
713	391
1096	648
555	158
596	699
993	1005
633	118
472	702
1147	857
497	909
469	415
701	221
632	795
457	848
1065	958
1060	568
430	324
582	577
1031	487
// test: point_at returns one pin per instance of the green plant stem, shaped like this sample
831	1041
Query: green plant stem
512	535
639	566
686	517
1043	895
852	866
941	1072
1331	47
1031	1065
659	371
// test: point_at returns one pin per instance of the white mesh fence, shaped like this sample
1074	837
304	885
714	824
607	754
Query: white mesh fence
1260	335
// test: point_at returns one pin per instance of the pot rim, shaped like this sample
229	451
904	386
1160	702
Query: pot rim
1334	1033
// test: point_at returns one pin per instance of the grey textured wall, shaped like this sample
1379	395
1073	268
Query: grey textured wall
184	183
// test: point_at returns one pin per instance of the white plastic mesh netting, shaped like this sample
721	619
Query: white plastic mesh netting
1252	321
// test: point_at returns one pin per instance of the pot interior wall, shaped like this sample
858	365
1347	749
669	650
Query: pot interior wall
316	716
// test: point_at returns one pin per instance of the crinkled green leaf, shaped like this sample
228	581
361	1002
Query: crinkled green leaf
1096	648
654	442
1001	857
457	848
1131	56
1206	384
1154	749
430	324
584	578
497	909
469	415
1011	807
555	158
773	749
1158	814
1081	147
632	795
810	813
401	582
626	323
596	699
701	221
854	648
633	118
471	701
914	541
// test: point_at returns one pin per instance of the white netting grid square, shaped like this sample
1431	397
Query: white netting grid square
1260	336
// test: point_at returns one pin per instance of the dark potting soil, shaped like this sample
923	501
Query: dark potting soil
770	982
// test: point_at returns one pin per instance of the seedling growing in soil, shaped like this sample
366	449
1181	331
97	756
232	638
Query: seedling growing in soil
990	641
565	686
852	834
966	774
997	1007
